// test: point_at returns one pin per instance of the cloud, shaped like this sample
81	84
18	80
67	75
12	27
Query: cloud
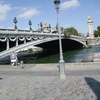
16	8
28	13
70	4
23	9
3	11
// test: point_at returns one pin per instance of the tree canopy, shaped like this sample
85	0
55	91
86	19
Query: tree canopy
97	32
71	31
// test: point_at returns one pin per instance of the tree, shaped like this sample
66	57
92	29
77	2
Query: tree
71	31
98	28
97	32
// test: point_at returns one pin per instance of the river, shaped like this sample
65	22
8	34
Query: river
74	56
52	56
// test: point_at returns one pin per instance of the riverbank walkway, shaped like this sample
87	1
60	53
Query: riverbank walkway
42	82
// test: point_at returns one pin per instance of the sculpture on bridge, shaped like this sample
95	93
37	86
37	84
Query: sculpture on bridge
89	18
67	34
45	28
45	24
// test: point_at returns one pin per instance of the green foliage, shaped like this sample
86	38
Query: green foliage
98	28
71	31
97	32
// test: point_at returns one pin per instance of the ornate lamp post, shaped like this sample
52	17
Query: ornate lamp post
61	62
15	21
30	23
49	28
38	27
41	26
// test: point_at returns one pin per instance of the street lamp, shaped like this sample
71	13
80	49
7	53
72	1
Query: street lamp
41	26
15	21
38	27
61	62
49	28
30	23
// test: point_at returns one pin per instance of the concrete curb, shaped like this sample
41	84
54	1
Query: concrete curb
52	66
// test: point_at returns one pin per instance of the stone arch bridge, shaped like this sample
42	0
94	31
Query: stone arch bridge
22	39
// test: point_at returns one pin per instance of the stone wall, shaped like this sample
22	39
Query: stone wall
93	41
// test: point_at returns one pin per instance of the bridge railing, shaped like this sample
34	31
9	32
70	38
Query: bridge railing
12	31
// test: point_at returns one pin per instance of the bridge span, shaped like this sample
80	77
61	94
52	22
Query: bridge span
15	40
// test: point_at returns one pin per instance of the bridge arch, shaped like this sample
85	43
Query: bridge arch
67	43
48	42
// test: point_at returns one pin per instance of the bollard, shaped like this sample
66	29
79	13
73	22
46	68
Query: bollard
21	64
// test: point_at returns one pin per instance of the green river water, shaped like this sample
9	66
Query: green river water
73	56
52	56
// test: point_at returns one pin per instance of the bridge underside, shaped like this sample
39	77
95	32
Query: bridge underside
67	44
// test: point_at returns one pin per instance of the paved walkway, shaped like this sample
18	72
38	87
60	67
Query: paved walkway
41	82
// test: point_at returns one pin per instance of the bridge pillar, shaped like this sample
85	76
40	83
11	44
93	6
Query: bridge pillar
17	42
7	43
31	39
90	25
24	40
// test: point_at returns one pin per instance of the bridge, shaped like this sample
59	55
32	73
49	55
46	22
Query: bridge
15	40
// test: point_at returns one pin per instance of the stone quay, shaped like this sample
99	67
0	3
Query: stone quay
42	82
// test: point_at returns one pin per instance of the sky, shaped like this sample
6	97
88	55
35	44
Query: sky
73	13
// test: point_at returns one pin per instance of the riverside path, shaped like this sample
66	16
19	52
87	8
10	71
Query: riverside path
41	82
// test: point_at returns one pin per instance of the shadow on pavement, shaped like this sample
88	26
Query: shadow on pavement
94	85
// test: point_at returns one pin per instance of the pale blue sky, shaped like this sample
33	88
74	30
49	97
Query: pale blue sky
73	13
